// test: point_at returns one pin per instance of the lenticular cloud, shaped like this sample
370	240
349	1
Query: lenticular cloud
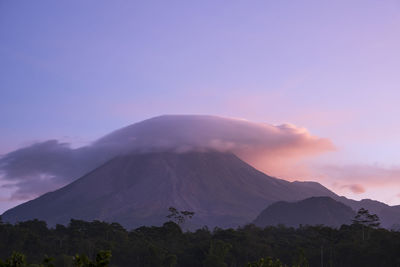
52	164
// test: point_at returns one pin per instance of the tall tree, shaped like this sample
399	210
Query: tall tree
366	220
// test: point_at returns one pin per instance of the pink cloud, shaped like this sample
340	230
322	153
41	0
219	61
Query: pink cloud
368	175
355	188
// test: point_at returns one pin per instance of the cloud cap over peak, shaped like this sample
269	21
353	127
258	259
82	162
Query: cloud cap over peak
214	132
52	164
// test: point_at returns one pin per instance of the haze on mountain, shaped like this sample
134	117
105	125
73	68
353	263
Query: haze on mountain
195	163
311	211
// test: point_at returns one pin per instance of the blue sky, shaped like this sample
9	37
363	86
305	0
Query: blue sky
76	70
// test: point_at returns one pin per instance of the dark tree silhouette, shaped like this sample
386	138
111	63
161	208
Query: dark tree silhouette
180	217
168	245
366	220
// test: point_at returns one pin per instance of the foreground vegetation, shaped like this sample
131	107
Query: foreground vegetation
351	245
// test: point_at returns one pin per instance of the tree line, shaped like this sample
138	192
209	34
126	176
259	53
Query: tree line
96	243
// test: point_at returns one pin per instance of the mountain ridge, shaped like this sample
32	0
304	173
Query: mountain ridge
310	211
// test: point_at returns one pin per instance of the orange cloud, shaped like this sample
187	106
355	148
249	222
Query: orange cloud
284	158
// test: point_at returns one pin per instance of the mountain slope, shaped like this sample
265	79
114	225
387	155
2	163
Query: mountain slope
311	211
137	189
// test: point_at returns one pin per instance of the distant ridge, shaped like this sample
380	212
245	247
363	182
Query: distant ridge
310	211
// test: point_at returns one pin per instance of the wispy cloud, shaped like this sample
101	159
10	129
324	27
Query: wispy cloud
45	166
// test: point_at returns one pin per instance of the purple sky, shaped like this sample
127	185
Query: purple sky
76	70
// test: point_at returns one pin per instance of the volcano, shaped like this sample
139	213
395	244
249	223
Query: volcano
137	189
195	163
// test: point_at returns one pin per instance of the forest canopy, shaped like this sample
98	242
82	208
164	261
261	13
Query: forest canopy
167	245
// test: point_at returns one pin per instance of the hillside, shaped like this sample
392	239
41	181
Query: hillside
310	211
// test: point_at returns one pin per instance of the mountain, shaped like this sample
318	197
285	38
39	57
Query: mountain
46	166
134	174
137	189
310	211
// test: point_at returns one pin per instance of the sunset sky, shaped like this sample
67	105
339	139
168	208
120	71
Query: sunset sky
76	70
